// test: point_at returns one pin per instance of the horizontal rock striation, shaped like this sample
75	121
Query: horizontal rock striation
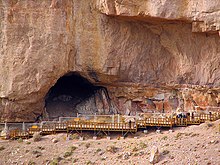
203	14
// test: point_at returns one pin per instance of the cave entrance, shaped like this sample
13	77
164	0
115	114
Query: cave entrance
74	94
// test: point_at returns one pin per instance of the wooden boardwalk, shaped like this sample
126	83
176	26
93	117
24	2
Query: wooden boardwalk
124	127
156	122
15	134
95	126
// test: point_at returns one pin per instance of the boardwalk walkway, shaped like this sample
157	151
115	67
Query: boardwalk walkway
110	123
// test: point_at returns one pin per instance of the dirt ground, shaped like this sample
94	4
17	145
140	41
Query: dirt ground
192	145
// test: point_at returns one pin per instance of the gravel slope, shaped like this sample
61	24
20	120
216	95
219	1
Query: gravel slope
191	145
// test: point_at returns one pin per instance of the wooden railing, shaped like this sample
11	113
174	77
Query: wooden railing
33	130
14	134
181	122
79	125
158	122
52	128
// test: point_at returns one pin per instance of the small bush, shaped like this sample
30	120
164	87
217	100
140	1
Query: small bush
135	149
89	162
75	160
195	134
20	140
2	148
101	135
164	138
40	148
54	162
178	135
136	154
209	124
31	163
35	152
165	152
73	136
73	148
188	134
141	153
70	151
88	145
59	159
98	150
67	154
171	157
112	149
142	145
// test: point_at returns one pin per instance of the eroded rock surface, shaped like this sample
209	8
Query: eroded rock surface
146	53
203	14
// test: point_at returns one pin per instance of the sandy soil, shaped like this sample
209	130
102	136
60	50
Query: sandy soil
194	145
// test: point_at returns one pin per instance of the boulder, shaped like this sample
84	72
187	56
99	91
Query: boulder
154	155
36	136
126	155
158	131
54	140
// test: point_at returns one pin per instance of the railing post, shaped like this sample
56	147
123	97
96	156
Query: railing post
95	118
23	126
6	127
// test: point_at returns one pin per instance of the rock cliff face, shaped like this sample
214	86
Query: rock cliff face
147	54
202	14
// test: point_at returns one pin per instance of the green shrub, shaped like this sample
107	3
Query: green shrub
54	162
164	138
98	150
2	148
135	149
142	145
112	149
40	148
73	148
75	160
20	140
31	163
165	152
178	135
88	145
67	154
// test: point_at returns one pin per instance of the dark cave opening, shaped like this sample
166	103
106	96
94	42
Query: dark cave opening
73	94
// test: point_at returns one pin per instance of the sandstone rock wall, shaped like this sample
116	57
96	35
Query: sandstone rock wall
139	50
203	14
